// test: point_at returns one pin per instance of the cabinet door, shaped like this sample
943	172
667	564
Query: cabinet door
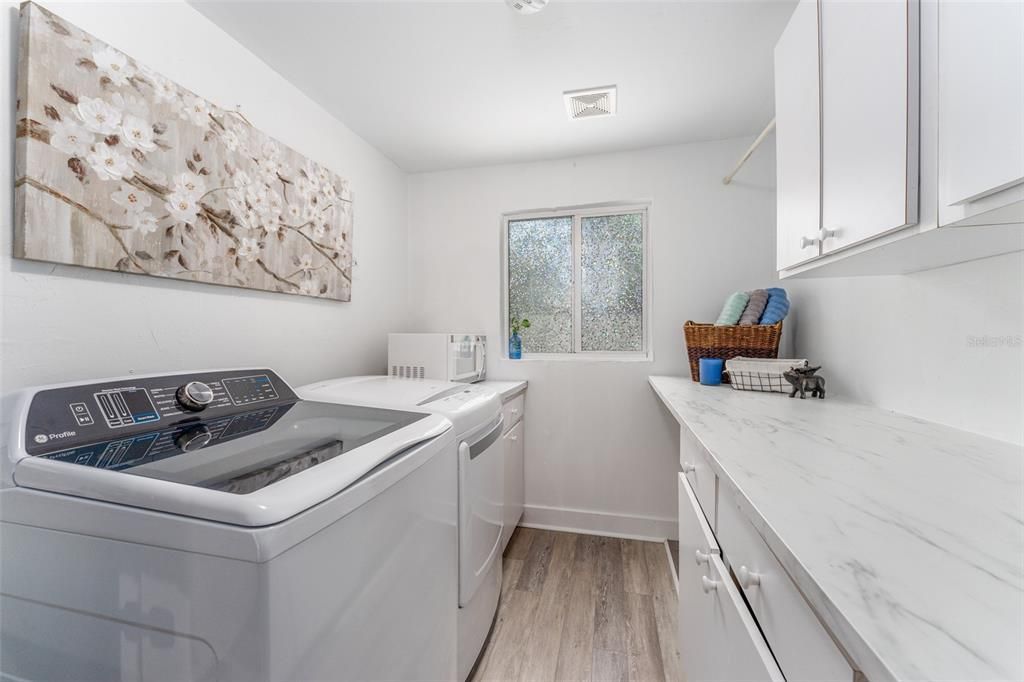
869	104
798	138
514	484
799	642
981	99
696	546
693	460
718	638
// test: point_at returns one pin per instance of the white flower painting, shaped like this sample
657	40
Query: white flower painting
121	169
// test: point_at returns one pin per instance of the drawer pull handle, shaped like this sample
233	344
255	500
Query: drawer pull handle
748	578
708	585
701	557
688	468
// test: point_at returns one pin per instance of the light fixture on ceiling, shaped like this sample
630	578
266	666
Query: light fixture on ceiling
527	6
590	103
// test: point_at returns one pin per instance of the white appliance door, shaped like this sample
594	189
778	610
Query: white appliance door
467	357
481	489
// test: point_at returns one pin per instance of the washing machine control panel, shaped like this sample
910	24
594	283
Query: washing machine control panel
61	418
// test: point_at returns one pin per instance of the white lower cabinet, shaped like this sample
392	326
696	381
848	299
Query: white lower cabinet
801	645
741	617
693	461
718	638
514	483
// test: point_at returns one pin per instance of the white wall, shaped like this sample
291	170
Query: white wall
601	451
945	345
64	323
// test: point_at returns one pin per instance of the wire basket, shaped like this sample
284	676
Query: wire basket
755	374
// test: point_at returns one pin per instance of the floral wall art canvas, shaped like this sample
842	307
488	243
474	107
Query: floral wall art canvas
121	169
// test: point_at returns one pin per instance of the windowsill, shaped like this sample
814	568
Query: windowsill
583	357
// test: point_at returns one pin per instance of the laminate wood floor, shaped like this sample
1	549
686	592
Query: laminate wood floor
583	608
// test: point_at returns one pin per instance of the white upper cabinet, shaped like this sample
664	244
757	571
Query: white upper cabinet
918	118
798	137
869	104
981	111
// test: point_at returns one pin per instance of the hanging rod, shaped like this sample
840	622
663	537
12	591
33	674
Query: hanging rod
760	138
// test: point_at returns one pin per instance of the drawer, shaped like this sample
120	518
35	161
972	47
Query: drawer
512	411
693	461
801	645
718	638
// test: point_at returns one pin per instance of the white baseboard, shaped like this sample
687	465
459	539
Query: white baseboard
631	526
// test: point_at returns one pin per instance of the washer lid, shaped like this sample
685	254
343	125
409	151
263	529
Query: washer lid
467	406
251	468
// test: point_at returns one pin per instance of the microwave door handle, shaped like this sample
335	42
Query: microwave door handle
479	358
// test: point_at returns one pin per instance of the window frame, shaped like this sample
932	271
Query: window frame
578	213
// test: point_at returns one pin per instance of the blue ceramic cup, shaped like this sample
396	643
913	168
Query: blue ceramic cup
711	371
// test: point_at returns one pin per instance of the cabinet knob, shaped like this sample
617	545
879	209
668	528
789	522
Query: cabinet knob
747	578
688	468
515	411
707	584
701	557
808	241
513	438
824	234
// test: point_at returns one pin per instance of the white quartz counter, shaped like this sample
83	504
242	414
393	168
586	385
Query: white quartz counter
906	536
506	389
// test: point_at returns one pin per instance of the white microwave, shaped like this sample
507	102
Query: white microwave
452	357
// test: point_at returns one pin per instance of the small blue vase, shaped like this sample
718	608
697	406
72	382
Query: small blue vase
515	347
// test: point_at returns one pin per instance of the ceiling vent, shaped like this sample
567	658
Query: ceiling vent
590	103
527	6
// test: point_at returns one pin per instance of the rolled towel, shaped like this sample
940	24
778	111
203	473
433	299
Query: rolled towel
732	309
777	307
755	308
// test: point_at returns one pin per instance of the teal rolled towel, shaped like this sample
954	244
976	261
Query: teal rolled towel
732	309
755	308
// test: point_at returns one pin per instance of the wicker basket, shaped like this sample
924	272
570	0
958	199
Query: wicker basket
711	341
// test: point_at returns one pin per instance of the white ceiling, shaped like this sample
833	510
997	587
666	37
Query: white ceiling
438	85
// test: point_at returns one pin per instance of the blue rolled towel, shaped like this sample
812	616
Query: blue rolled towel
732	309
777	307
755	307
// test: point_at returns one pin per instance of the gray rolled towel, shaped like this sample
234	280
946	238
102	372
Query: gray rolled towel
755	307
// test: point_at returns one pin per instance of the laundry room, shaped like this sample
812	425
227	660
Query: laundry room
512	340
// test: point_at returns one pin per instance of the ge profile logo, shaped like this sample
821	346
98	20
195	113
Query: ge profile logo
41	438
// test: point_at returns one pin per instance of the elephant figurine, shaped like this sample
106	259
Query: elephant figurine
803	380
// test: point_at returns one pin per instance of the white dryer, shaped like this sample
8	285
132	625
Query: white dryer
213	526
476	414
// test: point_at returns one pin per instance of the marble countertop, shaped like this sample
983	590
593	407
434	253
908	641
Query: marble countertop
906	536
506	389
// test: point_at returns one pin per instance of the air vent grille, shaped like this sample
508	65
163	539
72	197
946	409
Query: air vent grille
590	103
408	371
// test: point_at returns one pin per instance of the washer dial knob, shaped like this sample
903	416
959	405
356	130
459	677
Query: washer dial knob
194	396
193	438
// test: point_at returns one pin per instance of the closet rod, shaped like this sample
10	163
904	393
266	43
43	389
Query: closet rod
760	138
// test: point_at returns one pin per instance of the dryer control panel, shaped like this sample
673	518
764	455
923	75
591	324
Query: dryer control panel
62	418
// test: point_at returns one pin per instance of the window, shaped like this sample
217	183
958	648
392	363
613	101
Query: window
580	278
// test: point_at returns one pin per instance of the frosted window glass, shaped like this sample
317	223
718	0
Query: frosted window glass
612	293
540	282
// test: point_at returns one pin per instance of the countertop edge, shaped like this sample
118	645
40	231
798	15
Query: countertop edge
852	642
514	387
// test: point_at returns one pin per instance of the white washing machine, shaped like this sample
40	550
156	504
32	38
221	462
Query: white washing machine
213	526
475	412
